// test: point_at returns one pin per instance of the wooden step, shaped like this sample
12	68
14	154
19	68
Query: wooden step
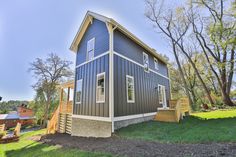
65	123
166	115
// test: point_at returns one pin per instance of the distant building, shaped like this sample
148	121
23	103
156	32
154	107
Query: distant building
23	115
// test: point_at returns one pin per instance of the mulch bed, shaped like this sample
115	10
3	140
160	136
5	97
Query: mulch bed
136	148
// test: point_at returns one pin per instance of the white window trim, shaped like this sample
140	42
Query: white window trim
147	60
81	80
129	101
156	64
104	87
87	59
164	103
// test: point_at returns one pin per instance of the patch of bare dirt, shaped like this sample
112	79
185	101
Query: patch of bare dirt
35	138
136	148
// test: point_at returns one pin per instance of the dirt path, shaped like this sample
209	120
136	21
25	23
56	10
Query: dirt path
137	148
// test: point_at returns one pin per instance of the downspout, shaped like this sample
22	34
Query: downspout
111	74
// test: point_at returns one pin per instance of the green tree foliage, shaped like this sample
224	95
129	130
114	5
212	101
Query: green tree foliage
202	34
49	73
11	105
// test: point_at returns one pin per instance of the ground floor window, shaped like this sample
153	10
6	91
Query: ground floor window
78	96
130	89
162	95
100	90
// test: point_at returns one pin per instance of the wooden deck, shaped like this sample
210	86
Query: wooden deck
176	111
61	118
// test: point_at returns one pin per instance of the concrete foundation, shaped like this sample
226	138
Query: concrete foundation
124	123
90	128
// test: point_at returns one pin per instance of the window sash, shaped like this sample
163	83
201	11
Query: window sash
78	96
145	61
161	94
156	64
100	88
90	49
130	89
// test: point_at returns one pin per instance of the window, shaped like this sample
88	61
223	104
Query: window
162	95
130	89
145	62
78	91
90	49
100	90
156	63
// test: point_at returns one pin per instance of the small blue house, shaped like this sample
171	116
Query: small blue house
119	80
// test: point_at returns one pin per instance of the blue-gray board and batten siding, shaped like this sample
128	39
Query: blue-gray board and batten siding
146	94
97	30
88	72
145	83
127	47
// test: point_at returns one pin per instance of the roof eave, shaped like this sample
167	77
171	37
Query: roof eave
89	16
137	40
84	25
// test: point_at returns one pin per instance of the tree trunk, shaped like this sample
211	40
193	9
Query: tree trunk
46	113
182	74
226	99
200	78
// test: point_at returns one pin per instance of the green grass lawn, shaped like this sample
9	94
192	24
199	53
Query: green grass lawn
215	126
207	127
29	148
216	114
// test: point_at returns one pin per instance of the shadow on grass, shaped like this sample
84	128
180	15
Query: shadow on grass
36	149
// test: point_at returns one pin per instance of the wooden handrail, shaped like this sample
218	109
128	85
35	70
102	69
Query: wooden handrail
52	124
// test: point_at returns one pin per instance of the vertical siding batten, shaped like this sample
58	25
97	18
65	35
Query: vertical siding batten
88	71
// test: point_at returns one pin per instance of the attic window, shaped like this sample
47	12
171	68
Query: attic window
156	63
145	62
90	49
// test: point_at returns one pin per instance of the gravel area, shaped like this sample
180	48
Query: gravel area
137	148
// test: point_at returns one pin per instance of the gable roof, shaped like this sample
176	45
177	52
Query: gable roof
88	19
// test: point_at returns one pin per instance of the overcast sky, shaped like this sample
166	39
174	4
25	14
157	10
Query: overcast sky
34	28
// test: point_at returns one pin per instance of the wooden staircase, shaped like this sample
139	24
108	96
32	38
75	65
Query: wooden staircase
61	120
176	111
65	120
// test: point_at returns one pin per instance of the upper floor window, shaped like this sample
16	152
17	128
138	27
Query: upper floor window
78	96
90	49
156	63
130	89
100	90
145	61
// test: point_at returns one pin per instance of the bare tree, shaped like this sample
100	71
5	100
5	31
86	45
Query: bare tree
49	73
215	31
175	26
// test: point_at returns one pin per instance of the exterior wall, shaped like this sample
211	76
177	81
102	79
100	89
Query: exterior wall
90	128
13	122
88	73
128	48
25	112
124	123
145	86
97	30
